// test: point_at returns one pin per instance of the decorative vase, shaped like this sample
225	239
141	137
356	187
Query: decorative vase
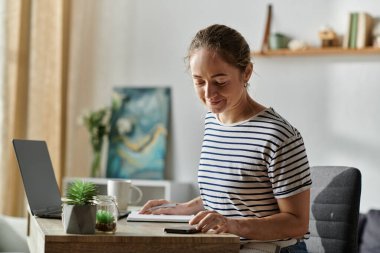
79	219
96	163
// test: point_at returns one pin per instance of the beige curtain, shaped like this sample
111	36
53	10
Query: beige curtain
35	88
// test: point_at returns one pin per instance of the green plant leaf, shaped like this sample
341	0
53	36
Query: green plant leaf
81	193
103	216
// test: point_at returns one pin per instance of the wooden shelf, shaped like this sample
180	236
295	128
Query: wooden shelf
317	52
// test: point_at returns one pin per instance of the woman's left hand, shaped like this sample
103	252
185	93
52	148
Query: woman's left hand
206	220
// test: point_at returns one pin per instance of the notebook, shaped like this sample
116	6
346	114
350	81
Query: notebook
135	216
38	177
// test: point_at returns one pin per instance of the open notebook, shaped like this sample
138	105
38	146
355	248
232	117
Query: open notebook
135	216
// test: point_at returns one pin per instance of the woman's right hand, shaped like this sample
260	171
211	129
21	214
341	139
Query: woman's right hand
146	209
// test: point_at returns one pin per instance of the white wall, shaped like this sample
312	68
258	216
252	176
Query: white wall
332	100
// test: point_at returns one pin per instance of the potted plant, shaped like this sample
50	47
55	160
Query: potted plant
79	208
106	214
105	221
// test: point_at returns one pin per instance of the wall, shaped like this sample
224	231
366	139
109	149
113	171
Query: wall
332	100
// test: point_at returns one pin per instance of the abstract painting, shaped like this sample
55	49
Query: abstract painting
138	133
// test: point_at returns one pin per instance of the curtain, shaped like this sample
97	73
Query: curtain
34	90
85	72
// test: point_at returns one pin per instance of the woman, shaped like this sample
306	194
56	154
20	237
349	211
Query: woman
253	173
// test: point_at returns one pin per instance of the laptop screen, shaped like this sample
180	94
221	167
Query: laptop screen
37	175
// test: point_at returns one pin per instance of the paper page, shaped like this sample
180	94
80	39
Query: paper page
135	216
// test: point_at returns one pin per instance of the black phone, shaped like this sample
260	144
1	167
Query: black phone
186	229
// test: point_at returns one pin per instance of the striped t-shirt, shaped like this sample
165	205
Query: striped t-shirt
244	167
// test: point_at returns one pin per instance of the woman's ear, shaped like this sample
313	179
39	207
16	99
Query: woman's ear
248	72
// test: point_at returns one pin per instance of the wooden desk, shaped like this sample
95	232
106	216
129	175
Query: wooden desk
47	235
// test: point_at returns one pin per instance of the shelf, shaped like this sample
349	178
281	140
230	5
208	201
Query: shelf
317	52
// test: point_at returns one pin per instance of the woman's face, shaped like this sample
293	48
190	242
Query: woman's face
219	85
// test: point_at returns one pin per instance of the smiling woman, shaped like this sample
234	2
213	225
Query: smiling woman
221	86
253	174
221	71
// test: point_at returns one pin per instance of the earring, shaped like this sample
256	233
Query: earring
246	84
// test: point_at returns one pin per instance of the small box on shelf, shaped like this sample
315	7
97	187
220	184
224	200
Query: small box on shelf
328	37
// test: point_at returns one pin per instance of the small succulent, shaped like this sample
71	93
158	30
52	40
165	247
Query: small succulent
103	216
80	193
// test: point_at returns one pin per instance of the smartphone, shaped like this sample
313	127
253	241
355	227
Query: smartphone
186	229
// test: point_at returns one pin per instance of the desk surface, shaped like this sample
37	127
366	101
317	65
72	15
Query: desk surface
47	235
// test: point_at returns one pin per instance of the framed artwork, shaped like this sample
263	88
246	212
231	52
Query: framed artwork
138	133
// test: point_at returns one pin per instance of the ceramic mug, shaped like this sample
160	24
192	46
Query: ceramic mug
122	189
278	41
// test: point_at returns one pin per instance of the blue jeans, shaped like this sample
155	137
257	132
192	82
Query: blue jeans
299	247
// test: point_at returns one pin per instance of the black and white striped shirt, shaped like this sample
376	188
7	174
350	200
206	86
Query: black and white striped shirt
246	166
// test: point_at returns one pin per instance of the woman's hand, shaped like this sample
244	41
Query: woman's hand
191	207
207	220
152	207
146	209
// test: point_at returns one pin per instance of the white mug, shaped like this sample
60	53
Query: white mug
121	189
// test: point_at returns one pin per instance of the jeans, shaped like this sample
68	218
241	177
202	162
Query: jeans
299	247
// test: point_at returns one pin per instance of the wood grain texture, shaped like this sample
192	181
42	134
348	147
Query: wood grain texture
47	235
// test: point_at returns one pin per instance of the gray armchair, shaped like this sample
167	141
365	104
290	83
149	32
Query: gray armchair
334	212
13	234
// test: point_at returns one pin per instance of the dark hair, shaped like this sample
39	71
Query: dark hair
225	41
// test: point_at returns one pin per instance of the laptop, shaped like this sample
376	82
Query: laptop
38	177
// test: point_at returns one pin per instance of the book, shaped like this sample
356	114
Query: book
353	30
346	37
364	30
135	216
